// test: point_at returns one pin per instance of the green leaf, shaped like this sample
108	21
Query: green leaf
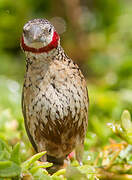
4	155
126	122
129	159
26	164
59	172
4	164
15	154
73	173
41	175
124	154
58	178
87	169
44	165
4	146
9	169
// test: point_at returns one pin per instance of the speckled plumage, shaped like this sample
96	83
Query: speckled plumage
55	104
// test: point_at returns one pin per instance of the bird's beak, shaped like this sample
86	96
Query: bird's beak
36	33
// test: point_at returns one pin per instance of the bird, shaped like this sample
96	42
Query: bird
55	97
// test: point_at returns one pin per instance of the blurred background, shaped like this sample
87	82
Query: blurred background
96	34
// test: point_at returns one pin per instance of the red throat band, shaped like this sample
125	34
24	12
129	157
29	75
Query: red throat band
53	44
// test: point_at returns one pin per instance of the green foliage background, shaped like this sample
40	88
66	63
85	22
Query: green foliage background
100	41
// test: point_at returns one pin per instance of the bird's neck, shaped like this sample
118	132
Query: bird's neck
35	60
38	64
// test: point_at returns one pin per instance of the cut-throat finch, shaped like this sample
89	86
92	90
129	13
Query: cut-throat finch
55	97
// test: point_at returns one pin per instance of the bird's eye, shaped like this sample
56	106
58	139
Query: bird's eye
49	30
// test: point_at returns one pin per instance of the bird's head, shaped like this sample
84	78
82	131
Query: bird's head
39	36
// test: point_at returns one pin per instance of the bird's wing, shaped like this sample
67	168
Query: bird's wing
26	126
